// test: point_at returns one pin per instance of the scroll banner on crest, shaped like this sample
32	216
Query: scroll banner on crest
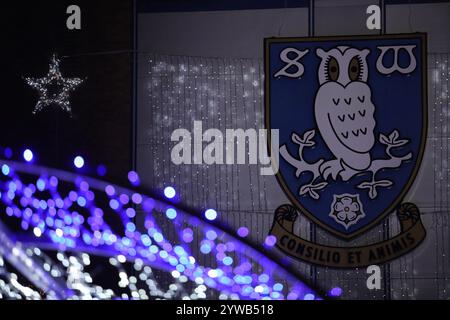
411	235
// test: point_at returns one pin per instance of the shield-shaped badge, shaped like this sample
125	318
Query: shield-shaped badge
352	119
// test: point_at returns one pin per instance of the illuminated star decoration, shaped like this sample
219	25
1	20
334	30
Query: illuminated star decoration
54	89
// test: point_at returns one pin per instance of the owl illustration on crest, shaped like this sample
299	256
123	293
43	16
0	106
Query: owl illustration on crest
344	110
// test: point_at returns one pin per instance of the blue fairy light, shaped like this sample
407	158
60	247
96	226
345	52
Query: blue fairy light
171	213
228	261
270	241
110	190
211	235
70	216
133	177
114	204
40	185
101	170
5	170
336	292
309	296
8	153
81	201
130	212
158	237
243	232
278	287
205	248
146	240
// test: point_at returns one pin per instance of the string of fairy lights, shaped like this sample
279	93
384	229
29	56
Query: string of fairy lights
70	215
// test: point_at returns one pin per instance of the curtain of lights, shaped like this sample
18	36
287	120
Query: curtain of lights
425	272
224	94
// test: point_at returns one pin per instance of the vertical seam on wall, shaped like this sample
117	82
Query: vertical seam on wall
134	87
313	227
386	224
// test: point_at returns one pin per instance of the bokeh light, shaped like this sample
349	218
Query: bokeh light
171	213
270	241
243	232
63	212
169	192
336	292
78	162
28	155
101	170
211	214
133	177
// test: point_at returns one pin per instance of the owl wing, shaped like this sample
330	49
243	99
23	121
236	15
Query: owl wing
345	117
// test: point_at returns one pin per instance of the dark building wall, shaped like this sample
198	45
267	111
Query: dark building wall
101	126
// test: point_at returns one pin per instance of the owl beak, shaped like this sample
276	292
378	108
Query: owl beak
344	80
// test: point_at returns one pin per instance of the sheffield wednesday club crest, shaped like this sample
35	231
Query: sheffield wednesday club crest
352	119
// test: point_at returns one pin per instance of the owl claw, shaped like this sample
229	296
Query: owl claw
347	173
332	167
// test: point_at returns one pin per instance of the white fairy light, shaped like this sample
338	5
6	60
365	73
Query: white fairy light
54	79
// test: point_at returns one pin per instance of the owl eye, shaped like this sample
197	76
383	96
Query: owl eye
332	69
354	69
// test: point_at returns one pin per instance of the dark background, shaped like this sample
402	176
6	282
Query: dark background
101	127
